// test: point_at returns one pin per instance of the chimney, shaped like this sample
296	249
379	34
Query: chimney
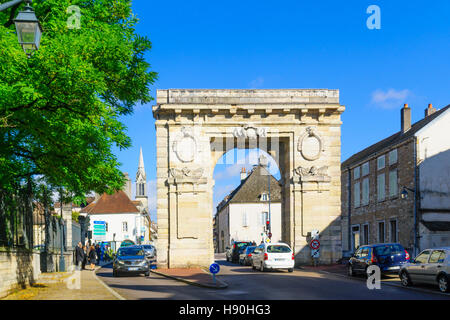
406	118
243	174
430	110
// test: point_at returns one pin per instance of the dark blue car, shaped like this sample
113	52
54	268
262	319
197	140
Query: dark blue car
130	260
390	257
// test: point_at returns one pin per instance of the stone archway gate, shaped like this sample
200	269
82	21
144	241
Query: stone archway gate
300	128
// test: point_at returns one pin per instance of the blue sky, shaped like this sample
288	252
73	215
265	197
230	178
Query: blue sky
297	44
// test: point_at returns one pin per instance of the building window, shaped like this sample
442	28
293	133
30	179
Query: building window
393	230
365	169
125	226
106	226
356	173
357	195
393	157
381	187
141	191
381	232
381	161
365	191
355	237
244	219
393	183
264	197
366	234
264	218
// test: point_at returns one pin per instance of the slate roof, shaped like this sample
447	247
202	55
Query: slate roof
392	140
251	188
115	203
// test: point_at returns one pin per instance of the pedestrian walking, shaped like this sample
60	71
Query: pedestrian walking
92	257
79	255
99	253
85	257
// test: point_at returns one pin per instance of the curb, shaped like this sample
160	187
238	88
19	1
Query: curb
113	292
382	283
223	285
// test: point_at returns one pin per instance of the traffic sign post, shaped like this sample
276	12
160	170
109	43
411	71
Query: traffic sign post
214	269
315	248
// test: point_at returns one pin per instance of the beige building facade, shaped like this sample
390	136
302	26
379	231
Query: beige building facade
299	128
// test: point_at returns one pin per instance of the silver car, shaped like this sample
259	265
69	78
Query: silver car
430	266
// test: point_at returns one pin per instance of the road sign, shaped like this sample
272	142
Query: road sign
315	244
214	268
315	253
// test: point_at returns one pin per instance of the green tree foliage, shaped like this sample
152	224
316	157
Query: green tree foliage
60	109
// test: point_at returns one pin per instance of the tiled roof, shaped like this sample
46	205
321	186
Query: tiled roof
87	201
392	140
250	190
115	203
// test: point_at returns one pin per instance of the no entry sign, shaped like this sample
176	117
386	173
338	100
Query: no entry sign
315	244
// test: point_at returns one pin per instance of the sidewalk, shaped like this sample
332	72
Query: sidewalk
193	276
81	285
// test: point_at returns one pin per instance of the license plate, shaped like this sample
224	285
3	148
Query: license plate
133	269
279	259
394	268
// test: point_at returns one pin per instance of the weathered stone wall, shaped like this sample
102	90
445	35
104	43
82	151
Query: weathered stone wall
299	128
17	270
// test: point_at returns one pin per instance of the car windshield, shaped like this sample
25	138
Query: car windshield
130	252
250	249
148	247
388	249
278	249
242	244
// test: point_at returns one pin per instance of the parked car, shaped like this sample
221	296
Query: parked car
273	256
245	258
233	253
130	259
150	251
390	257
430	266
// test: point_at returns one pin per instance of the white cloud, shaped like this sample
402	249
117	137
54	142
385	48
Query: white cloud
256	83
391	98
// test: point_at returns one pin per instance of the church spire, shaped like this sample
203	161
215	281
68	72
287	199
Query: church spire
141	161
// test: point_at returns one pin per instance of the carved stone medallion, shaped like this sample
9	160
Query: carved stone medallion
185	147
310	144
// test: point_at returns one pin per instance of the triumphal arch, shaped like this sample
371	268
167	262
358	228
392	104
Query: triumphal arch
299	128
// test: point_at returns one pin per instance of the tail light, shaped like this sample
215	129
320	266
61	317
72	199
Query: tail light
266	256
373	259
293	257
407	255
249	255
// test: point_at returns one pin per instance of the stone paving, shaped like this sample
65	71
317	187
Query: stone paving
64	286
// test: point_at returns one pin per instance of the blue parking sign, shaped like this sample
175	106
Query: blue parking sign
214	268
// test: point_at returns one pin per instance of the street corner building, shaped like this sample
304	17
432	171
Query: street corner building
397	190
299	128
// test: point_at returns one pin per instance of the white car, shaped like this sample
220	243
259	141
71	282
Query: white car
273	256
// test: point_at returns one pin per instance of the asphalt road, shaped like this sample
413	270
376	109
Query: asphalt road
246	284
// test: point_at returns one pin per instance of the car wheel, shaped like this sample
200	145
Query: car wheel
443	284
291	269
405	279
147	273
351	273
261	268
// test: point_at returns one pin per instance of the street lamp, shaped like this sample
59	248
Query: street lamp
405	191
29	30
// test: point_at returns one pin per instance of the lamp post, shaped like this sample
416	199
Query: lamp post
29	30
404	195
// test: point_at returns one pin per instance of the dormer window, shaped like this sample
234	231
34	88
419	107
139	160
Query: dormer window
264	197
